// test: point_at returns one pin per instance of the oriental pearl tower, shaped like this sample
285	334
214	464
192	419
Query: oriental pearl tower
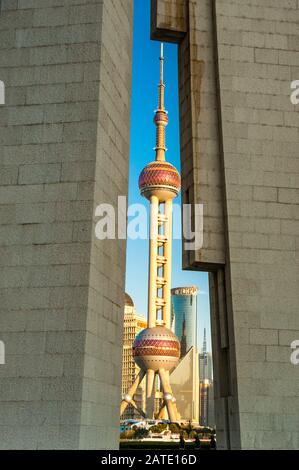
156	349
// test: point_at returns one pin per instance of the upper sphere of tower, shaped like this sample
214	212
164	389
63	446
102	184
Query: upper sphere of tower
160	178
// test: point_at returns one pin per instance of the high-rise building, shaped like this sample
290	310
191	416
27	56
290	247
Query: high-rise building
133	324
205	363
185	378
156	349
206	391
184	316
206	386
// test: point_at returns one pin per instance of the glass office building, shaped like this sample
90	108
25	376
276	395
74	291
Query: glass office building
184	315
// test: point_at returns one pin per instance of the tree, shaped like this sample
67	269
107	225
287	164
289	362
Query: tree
158	428
175	428
141	433
129	434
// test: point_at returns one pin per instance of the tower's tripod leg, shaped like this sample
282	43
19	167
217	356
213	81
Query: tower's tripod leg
162	411
150	378
163	414
168	396
128	398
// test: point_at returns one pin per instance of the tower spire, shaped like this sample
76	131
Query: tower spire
161	118
161	84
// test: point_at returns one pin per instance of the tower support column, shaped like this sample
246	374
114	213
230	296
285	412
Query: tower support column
153	253
128	398
168	395
167	267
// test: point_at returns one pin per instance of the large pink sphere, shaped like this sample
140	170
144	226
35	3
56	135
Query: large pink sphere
156	348
158	177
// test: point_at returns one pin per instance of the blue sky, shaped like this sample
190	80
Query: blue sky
144	102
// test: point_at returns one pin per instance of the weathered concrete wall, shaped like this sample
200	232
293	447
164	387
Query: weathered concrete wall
257	47
169	18
64	133
237	61
201	161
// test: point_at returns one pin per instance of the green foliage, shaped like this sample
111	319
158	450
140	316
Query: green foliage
174	428
135	433
158	428
187	429
140	433
129	434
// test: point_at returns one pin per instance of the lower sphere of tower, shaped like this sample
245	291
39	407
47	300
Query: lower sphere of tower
156	348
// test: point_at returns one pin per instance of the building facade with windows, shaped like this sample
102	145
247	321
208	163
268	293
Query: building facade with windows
184	316
133	324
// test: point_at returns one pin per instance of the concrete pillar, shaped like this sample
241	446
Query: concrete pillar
64	133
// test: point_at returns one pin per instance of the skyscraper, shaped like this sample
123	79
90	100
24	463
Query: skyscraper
133	324
184	309
205	366
185	378
206	386
156	349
